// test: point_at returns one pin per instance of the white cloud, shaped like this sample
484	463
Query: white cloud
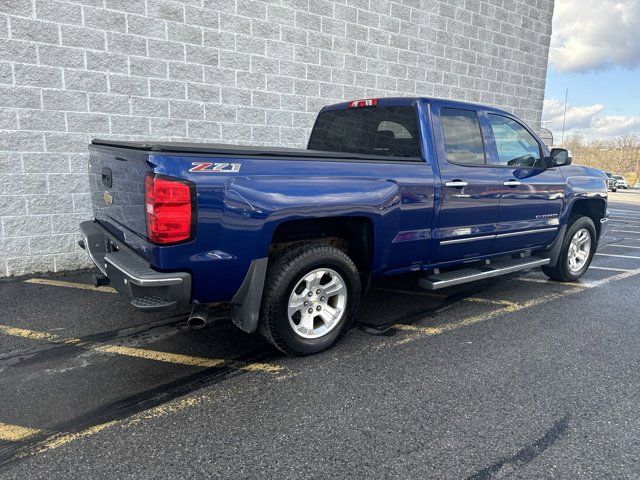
595	34
614	125
588	120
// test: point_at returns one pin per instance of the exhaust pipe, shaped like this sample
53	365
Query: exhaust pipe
100	280
198	318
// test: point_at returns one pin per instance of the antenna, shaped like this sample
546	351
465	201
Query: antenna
564	117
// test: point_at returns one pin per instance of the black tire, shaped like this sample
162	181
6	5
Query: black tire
284	273
614	189
561	271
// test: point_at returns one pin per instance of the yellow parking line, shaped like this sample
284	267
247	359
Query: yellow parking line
618	256
442	295
410	292
159	356
488	300
147	354
59	283
421	331
190	360
611	269
30	334
551	282
16	433
58	440
61	439
483	317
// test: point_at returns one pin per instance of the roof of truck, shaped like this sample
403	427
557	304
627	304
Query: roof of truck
409	101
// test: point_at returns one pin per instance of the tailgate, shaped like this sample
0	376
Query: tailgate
117	185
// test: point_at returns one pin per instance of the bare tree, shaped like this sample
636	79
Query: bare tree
620	155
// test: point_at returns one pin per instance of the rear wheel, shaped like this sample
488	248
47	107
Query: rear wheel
311	296
578	248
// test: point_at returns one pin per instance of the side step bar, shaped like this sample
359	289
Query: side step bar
495	269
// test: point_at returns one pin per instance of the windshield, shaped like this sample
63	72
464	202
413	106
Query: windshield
387	131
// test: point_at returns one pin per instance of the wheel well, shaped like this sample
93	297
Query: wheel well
592	208
352	235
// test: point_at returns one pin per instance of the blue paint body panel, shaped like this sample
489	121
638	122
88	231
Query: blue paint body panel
409	208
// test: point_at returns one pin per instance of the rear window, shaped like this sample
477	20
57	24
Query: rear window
462	136
388	131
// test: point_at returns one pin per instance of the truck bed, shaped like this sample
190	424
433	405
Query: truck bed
226	150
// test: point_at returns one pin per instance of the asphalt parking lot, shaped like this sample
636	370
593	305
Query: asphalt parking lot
517	377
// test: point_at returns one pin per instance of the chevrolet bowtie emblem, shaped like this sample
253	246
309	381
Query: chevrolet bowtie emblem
108	198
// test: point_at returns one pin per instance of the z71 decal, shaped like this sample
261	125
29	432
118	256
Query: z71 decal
210	167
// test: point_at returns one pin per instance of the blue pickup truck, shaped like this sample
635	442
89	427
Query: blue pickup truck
290	238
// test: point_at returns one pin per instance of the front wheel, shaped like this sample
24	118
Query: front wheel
311	296
578	248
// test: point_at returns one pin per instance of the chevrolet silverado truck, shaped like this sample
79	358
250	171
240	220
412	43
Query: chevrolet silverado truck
290	238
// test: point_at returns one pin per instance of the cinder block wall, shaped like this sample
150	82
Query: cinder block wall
238	71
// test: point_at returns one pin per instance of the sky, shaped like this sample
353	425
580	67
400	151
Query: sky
595	53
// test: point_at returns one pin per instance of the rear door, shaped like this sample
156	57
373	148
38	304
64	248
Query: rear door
532	195
470	185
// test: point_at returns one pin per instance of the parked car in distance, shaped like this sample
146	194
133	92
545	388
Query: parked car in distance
290	238
621	182
611	182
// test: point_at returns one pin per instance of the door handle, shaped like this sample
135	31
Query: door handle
456	184
512	183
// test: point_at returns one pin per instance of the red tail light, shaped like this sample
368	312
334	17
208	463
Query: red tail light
169	208
367	102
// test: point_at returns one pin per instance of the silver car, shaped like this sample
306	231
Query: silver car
621	182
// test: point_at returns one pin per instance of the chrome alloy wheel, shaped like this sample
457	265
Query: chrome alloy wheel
317	303
579	250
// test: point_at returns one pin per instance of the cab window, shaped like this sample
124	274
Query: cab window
516	146
462	136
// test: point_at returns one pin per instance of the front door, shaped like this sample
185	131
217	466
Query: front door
532	195
470	189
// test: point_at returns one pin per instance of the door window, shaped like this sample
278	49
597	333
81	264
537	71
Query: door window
462	136
516	146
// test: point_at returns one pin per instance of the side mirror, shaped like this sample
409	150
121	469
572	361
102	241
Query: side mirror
560	157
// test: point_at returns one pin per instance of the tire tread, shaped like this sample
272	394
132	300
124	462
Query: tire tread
279	266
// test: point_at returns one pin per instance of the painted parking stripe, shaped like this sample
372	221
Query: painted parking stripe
417	331
143	353
16	433
30	334
625	218
60	439
615	220
622	246
550	282
618	256
441	295
614	210
190	360
160	356
626	231
59	283
592	267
